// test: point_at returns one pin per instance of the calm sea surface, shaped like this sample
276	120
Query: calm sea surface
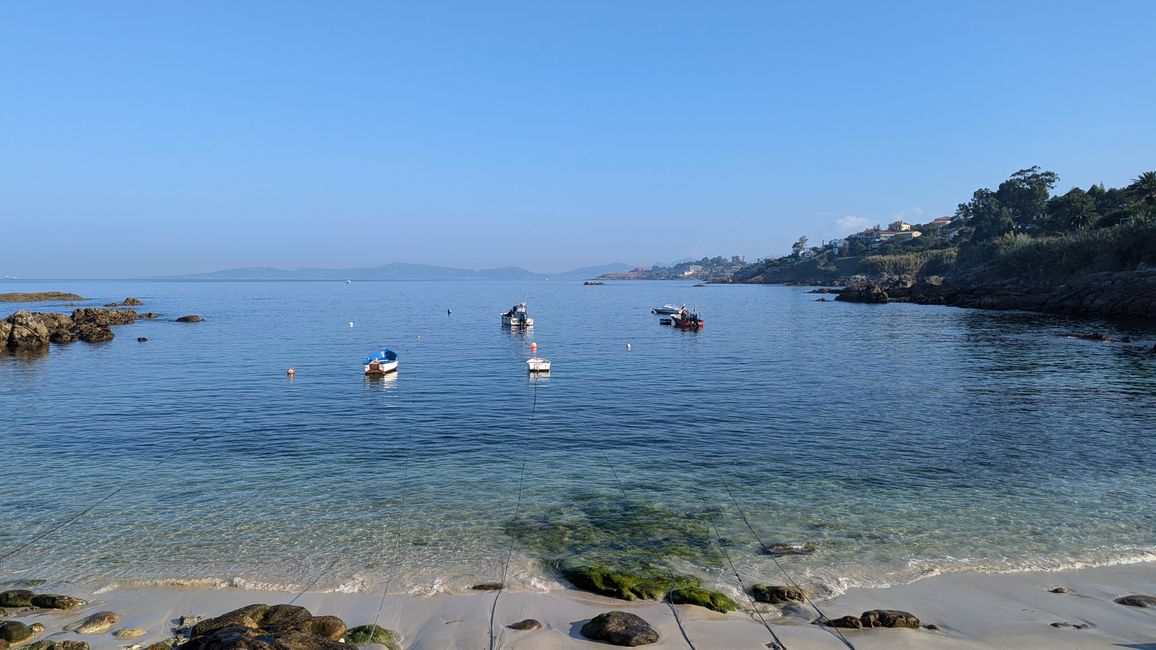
898	440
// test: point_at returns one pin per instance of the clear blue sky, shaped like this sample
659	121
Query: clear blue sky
141	138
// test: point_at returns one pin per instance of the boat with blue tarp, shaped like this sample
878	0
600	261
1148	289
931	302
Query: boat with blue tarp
380	363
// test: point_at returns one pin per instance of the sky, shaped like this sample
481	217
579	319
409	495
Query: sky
153	138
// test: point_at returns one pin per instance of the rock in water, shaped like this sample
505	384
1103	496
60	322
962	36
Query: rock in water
131	302
889	618
191	318
95	624
620	628
16	598
528	624
373	634
26	331
56	601
15	631
776	594
71	645
1137	600
129	633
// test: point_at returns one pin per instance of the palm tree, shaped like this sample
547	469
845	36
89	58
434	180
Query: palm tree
1143	189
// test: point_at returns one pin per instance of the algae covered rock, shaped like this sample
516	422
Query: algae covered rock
373	634
776	594
620	628
330	627
714	600
15	631
607	581
848	621
16	598
247	616
56	601
191	318
130	633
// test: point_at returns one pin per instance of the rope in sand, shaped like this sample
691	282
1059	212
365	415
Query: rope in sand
822	617
513	527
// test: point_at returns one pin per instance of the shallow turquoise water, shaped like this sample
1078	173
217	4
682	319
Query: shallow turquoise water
900	440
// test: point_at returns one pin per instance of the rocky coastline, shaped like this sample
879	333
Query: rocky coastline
31	332
1129	294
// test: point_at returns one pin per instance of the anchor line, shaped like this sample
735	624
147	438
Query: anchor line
673	588
822	617
714	524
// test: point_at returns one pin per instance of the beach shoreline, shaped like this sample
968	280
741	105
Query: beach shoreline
970	610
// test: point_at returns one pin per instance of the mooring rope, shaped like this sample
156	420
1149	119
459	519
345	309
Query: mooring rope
779	642
513	527
673	578
822	617
118	490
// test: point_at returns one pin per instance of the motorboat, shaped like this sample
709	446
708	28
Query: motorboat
517	317
381	363
687	320
666	309
538	364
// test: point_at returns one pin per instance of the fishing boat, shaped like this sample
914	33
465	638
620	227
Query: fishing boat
666	309
517	317
687	320
538	364
381	363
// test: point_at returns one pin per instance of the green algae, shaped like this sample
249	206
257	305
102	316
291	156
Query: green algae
373	634
651	584
715	600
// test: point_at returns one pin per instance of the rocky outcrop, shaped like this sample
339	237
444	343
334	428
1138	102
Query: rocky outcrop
876	618
1137	600
373	635
865	291
33	331
131	302
16	598
56	601
261	627
620	628
44	296
191	318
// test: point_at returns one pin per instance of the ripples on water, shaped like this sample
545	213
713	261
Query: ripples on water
900	440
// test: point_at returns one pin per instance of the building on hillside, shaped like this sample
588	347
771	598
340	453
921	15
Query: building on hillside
899	235
898	226
941	222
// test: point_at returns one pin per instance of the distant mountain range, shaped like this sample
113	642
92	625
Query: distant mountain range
400	271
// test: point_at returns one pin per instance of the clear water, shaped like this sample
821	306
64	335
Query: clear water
899	440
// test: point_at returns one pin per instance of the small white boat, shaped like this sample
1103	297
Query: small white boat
666	309
381	363
517	317
538	364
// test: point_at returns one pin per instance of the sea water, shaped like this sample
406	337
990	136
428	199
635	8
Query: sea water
897	440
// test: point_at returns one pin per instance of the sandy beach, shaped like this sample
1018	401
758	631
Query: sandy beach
971	611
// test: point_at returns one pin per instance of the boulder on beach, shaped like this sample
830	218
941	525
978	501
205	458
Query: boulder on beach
889	618
1137	600
525	625
16	598
130	633
259	627
620	628
373	635
776	594
191	318
56	601
849	621
15	631
93	624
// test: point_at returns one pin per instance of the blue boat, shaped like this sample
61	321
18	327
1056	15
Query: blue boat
381	363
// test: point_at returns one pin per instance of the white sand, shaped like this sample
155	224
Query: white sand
972	610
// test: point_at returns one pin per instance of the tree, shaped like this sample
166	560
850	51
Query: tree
1025	195
1075	210
986	215
798	247
1142	191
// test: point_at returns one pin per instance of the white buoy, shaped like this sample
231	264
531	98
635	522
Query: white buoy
628	346
351	323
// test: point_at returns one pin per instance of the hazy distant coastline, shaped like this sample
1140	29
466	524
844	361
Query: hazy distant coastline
398	271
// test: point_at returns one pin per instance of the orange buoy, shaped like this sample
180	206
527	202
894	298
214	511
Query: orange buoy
533	347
